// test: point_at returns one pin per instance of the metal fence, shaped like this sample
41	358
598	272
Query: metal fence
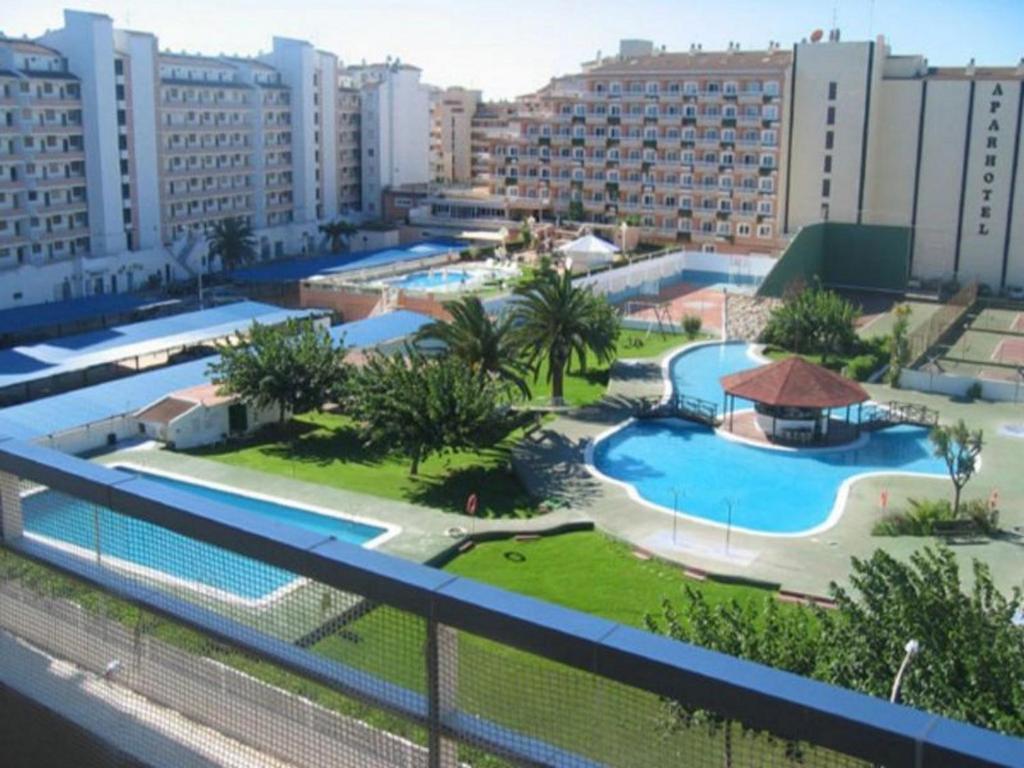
922	339
189	632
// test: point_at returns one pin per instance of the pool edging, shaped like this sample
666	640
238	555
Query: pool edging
390	529
842	492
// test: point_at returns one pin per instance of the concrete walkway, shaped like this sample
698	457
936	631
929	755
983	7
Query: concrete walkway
552	465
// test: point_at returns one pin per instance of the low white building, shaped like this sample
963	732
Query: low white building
200	416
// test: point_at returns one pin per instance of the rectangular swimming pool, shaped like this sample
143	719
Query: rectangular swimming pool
87	530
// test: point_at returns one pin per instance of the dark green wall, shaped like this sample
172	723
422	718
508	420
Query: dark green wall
802	260
855	255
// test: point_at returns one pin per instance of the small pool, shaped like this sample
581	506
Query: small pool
689	467
435	279
134	545
734	282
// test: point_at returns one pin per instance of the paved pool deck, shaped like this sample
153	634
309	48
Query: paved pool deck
552	465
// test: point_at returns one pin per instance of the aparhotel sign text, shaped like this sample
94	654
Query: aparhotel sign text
995	104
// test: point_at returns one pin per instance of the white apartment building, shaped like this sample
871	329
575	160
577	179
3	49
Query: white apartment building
43	210
117	157
394	130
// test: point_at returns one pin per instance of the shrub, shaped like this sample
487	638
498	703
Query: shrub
692	325
974	391
861	367
925	518
984	516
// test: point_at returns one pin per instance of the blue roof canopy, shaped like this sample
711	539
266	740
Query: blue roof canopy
336	263
54	313
68	354
89	405
379	329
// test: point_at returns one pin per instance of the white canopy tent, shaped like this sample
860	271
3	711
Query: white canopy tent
588	252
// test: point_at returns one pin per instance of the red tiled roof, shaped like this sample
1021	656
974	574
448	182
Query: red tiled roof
165	411
796	383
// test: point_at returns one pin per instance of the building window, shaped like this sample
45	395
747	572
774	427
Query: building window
828	163
830	139
833	87
831	118
826	187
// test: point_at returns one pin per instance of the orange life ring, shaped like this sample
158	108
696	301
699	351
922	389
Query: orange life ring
471	504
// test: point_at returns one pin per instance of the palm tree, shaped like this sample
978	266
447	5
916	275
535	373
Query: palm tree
557	320
483	344
232	240
339	232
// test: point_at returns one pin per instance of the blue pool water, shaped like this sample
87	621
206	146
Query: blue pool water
71	521
704	277
696	372
422	281
770	491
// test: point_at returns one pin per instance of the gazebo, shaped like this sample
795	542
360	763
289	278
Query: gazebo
794	399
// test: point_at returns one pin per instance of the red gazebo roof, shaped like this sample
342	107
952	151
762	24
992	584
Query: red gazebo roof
795	383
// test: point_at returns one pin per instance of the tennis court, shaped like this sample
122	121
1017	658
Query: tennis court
988	343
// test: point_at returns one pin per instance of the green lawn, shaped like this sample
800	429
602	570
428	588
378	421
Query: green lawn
589	572
584	388
325	449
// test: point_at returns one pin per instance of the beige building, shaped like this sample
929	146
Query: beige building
737	150
885	139
686	144
451	134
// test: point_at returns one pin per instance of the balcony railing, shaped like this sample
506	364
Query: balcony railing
409	665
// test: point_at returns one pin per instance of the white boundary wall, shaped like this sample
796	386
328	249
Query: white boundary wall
957	386
647	275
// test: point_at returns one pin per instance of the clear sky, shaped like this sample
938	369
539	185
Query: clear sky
515	46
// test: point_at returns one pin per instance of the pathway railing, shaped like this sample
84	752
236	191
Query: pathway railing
198	605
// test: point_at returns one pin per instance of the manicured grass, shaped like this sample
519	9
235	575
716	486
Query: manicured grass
326	449
587	387
589	572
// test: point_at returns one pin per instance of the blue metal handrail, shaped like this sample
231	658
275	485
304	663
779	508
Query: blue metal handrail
763	698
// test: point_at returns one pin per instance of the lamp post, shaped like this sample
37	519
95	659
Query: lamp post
728	523
675	513
912	648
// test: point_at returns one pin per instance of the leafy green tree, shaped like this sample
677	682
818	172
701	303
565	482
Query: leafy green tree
814	320
764	632
339	232
959	448
487	346
971	663
422	406
231	240
557	320
899	345
293	366
576	211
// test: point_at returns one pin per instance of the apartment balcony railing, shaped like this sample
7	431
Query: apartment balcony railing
427	668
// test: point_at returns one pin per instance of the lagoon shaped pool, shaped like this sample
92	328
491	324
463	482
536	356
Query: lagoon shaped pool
673	464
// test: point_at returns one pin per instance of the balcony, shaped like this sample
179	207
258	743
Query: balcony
459	664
